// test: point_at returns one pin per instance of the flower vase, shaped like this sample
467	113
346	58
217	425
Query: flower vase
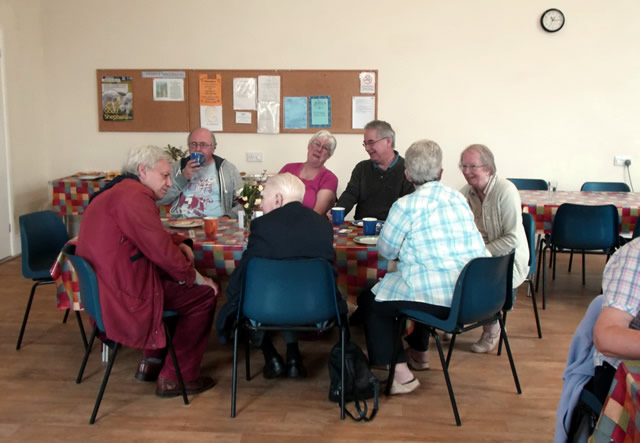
248	215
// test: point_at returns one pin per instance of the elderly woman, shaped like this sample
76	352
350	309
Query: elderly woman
320	183
432	234
496	207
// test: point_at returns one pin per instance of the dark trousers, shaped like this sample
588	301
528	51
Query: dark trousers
195	306
381	326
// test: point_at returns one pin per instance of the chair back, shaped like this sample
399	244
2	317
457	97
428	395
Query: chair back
585	227
42	235
88	288
636	230
289	292
606	187
530	184
530	230
484	288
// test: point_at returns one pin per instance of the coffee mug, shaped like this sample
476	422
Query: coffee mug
210	226
197	156
369	225
337	214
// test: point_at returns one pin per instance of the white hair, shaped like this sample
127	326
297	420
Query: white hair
148	156
423	161
287	184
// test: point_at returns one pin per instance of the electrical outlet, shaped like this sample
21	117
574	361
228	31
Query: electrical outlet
619	160
255	157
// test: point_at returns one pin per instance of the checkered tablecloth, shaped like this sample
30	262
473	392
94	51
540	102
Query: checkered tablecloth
620	418
359	267
544	204
70	195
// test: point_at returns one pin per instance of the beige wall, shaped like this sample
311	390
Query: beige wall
556	106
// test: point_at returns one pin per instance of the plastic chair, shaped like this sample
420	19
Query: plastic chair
297	295
482	292
589	229
42	236
530	230
605	187
530	184
636	230
91	301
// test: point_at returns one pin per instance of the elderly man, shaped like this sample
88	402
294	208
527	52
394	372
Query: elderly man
432	234
207	189
378	182
287	230
142	271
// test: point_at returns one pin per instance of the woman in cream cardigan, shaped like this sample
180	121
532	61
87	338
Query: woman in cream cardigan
495	203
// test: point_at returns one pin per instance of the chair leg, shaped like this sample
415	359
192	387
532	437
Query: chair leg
26	313
544	278
234	379
554	258
103	386
81	326
247	358
86	354
172	351
511	363
535	305
342	343
445	370
66	315
570	261
397	345
504	320
583	268
450	350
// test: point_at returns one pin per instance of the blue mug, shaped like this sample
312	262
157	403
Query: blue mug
197	156
337	215
369	225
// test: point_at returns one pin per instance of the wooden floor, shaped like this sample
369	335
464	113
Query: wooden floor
39	400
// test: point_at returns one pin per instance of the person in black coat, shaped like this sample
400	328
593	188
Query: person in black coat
287	230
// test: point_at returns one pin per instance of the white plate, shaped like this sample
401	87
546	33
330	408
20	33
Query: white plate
370	240
90	177
359	223
187	224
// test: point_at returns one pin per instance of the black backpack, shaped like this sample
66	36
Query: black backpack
360	383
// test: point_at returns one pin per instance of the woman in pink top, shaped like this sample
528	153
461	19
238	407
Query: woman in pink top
320	183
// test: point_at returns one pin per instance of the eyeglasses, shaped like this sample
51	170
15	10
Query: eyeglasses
202	145
372	142
317	144
470	167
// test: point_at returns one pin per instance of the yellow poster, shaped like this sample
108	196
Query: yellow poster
210	90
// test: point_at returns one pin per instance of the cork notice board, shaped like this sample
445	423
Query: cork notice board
336	86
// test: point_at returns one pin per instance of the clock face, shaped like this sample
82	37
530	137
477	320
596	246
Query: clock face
552	20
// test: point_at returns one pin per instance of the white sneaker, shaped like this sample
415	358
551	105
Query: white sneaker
487	343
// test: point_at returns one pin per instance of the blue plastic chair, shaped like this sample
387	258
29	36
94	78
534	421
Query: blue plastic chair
605	187
589	229
530	184
636	230
482	292
91	300
530	229
296	295
42	236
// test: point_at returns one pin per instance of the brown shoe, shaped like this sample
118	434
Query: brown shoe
170	388
148	370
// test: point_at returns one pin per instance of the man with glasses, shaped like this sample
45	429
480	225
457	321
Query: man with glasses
376	183
205	188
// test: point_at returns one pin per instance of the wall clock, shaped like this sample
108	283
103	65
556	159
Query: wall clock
552	20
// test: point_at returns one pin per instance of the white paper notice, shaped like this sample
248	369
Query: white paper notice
268	118
269	88
168	90
244	94
363	110
243	118
211	117
367	83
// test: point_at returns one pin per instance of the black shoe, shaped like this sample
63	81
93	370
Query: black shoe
295	369
273	368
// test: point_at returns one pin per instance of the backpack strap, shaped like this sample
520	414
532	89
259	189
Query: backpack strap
363	409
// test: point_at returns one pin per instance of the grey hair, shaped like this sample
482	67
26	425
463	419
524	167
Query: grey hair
383	129
486	156
148	156
214	143
423	161
290	186
329	136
